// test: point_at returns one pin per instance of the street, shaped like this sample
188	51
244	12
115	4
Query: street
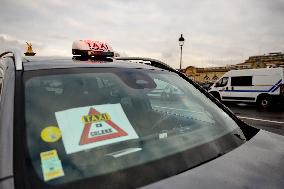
271	120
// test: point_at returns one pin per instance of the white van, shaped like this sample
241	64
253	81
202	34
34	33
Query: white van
262	86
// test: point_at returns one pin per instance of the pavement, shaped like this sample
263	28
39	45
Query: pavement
270	120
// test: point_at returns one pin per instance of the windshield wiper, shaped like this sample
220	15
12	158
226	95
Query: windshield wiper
239	137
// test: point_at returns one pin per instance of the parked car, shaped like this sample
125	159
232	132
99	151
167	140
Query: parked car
77	123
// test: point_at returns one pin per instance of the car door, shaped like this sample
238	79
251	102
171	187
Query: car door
222	87
241	88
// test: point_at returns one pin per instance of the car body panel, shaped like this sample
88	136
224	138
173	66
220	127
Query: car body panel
7	183
259	163
6	123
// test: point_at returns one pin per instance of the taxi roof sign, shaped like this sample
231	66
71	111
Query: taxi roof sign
92	48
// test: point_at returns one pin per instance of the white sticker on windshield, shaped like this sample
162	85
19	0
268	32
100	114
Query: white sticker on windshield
93	126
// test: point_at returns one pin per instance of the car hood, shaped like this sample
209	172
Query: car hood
259	163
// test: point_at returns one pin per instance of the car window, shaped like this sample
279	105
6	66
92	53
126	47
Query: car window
241	81
222	82
164	89
219	83
97	122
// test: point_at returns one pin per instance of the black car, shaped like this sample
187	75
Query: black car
88	123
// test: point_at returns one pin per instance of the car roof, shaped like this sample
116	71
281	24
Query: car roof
37	63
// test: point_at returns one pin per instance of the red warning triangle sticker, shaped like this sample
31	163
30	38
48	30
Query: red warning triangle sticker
86	139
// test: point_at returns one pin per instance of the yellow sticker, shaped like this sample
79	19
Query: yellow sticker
48	155
50	134
51	165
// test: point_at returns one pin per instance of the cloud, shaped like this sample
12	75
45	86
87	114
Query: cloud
8	42
217	32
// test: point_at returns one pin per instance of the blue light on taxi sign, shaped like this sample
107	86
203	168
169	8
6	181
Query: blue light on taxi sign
92	48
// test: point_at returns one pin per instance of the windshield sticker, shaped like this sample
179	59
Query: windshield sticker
93	126
51	165
163	135
50	134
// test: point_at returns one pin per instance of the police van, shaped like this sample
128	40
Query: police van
262	86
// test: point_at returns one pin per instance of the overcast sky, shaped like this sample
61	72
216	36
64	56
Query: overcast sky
217	32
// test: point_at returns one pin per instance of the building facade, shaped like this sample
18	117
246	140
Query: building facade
205	75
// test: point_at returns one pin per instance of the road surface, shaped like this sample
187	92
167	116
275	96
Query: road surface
271	120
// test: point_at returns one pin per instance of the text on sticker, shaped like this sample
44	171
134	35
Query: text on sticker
48	154
96	118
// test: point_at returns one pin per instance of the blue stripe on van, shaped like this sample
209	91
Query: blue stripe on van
275	86
272	89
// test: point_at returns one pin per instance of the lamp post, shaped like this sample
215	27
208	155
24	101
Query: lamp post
181	43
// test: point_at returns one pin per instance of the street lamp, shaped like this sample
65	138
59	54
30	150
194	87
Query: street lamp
181	43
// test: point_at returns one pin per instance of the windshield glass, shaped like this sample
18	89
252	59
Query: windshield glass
86	124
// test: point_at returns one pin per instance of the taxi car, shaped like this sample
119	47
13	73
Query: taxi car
89	122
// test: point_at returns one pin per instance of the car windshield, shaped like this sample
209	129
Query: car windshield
113	123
